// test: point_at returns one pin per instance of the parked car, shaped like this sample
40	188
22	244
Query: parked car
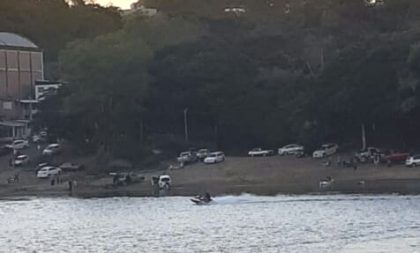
125	178
325	150
395	157
18	144
202	153
48	171
215	157
40	166
68	166
260	152
367	154
291	149
21	160
413	161
187	157
52	149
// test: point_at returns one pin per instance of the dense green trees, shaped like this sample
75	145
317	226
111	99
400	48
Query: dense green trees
283	71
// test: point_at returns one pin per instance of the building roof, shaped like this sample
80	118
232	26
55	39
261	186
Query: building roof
15	41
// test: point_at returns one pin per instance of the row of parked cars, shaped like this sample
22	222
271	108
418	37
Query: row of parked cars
376	155
20	159
204	155
295	149
51	149
370	154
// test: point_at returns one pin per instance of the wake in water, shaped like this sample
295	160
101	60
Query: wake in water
246	198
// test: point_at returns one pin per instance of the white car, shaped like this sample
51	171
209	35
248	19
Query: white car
48	171
413	161
260	152
52	149
325	150
215	157
291	149
18	144
21	160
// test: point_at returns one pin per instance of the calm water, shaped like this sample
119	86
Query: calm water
232	224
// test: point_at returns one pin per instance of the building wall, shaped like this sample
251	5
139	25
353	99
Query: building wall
19	69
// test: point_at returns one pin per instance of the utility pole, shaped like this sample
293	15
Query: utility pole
186	124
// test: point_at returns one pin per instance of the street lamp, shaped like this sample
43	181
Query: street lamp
186	124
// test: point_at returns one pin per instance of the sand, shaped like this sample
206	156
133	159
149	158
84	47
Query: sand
259	175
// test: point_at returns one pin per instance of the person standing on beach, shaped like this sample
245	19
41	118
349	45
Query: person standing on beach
70	182
52	179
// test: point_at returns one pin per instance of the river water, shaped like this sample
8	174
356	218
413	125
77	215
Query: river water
243	223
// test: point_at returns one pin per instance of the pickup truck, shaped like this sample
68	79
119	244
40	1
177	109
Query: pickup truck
367	154
187	157
260	152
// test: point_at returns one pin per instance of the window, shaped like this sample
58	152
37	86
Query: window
7	105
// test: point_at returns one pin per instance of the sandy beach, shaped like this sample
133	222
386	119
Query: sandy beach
259	175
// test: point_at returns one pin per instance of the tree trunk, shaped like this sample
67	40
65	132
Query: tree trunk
363	136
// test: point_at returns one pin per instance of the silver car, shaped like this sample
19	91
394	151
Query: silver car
291	149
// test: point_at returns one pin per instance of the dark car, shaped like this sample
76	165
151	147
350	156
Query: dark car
68	166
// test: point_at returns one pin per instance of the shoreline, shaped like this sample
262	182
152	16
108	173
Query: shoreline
400	187
266	176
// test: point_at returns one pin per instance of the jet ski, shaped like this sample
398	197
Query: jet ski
202	200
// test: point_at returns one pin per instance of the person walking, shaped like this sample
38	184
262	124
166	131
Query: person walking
52	180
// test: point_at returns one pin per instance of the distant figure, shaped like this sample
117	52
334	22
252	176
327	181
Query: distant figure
338	162
13	179
155	185
128	179
70	186
354	163
74	185
207	197
327	163
326	183
376	159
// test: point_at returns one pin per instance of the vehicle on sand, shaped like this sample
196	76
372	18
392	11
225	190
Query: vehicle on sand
291	149
187	157
325	150
260	152
69	166
18	144
165	182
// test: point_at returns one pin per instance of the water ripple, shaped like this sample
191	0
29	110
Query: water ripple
246	223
